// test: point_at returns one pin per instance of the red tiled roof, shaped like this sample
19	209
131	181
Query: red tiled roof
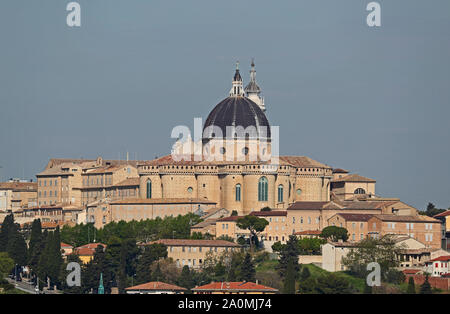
84	251
308	232
269	213
445	258
92	246
443	214
128	182
189	242
230	218
234	286
65	245
396	218
411	271
156	285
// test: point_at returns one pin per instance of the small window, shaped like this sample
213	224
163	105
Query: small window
359	191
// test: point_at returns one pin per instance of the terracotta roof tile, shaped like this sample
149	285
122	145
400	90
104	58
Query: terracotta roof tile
355	217
162	201
269	213
235	286
354	178
189	242
157	286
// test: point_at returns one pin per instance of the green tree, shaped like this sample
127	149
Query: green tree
332	284
266	209
425	288
186	279
411	286
289	279
367	289
289	254
383	251
305	273
247	269
253	224
431	210
334	233
151	253
6	264
36	244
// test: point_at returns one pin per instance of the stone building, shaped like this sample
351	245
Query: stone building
17	194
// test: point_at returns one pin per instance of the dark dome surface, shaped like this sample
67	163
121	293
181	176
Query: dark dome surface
234	112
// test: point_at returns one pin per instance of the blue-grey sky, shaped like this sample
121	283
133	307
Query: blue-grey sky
374	101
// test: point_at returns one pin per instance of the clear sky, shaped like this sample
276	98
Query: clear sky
373	101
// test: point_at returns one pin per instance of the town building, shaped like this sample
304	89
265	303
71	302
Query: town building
80	181
439	266
86	252
445	227
242	287
422	228
194	252
103	212
17	194
155	287
356	224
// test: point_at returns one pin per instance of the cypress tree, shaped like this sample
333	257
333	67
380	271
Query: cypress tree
425	288
289	254
248	269
289	280
186	280
411	286
36	244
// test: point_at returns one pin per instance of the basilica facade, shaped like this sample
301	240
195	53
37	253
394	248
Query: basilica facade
247	181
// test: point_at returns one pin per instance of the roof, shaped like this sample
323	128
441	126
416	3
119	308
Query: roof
157	286
411	271
303	162
396	218
443	214
307	205
128	182
355	217
19	186
205	223
92	245
189	242
354	178
445	258
308	232
235	286
162	201
269	213
236	111
230	218
339	170
66	246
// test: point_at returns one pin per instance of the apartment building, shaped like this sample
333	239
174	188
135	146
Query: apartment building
80	181
52	213
303	216
422	228
17	194
356	225
194	252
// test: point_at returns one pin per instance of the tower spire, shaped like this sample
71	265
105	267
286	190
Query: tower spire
237	88
252	89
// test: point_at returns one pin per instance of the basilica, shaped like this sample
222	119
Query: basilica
248	177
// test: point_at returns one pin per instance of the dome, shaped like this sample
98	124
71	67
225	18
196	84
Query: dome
237	112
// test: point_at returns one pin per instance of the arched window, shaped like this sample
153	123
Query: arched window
262	189
238	192
149	189
359	191
280	193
